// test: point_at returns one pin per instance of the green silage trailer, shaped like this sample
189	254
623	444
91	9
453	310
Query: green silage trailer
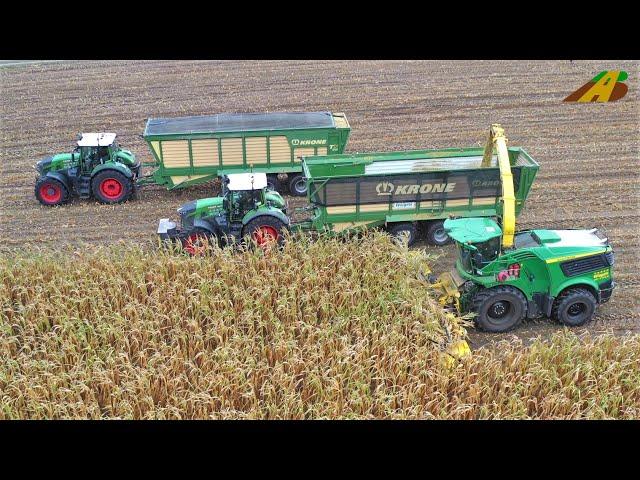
192	150
410	192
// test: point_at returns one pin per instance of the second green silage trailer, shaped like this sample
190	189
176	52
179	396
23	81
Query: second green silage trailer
192	150
410	192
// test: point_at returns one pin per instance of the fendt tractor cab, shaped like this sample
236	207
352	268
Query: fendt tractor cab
504	276
246	208
97	167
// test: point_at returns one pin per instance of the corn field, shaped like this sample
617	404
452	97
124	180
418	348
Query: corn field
321	329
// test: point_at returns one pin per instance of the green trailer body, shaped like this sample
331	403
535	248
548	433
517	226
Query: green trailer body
418	188
192	150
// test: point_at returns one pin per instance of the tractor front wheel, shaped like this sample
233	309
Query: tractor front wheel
574	307
111	186
499	309
197	242
50	191
265	231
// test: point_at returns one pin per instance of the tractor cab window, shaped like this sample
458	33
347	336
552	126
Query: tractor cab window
243	201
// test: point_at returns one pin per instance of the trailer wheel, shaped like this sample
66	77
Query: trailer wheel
273	182
265	231
197	241
436	234
50	191
499	309
111	186
574	307
401	229
297	185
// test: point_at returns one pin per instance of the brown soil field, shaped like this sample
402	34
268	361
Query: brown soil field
588	153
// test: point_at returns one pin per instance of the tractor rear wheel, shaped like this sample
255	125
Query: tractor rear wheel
404	230
297	185
574	307
499	309
111	186
50	191
197	241
436	234
265	231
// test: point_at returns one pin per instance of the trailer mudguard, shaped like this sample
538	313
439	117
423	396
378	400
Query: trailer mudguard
119	167
273	212
61	177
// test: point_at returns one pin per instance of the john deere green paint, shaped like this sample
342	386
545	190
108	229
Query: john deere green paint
97	168
191	150
562	274
410	192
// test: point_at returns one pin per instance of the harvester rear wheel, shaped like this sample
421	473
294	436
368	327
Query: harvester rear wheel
297	185
50	191
265	231
404	230
574	307
499	309
111	186
436	234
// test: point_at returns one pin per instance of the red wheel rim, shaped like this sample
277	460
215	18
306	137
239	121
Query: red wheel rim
111	188
265	235
50	192
195	244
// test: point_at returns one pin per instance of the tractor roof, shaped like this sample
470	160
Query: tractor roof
246	181
472	230
96	139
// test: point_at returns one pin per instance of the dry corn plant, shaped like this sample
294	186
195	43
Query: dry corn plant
326	329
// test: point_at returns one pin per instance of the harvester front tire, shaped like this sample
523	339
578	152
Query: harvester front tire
50	192
436	234
265	230
297	185
111	186
574	307
499	309
402	229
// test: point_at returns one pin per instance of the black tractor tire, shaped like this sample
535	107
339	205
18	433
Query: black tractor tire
273	182
50	191
499	309
402	230
111	186
197	241
436	234
264	230
574	307
296	183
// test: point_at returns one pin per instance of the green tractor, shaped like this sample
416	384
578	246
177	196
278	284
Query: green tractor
563	274
246	208
97	168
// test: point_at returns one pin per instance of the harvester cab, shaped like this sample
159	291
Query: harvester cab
503	276
245	208
97	167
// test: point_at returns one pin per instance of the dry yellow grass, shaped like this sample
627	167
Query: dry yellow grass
325	329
